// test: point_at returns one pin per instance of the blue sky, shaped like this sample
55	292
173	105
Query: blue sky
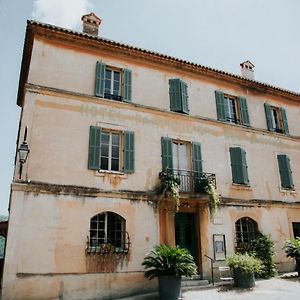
214	33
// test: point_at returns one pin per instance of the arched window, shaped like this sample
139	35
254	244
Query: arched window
108	229
246	230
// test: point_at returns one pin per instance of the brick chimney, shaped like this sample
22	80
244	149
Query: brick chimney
90	24
247	69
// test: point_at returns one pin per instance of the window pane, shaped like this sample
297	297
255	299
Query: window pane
93	225
104	150
104	138
115	139
104	163
115	164
115	152
108	74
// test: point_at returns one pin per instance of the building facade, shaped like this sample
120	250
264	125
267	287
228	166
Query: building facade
103	119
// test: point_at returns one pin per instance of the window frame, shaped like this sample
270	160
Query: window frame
229	118
280	128
107	238
121	143
242	242
111	95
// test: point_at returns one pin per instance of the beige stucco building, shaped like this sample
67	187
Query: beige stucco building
103	119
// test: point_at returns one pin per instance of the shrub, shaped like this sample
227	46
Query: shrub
166	260
262	247
247	263
292	248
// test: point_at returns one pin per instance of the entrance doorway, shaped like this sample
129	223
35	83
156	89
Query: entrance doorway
186	233
296	229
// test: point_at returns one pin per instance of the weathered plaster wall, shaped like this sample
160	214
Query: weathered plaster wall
48	236
74	71
59	136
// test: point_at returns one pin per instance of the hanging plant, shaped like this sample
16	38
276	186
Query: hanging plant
170	185
208	187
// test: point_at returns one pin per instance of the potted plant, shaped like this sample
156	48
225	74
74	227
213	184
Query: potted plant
168	264
292	249
244	266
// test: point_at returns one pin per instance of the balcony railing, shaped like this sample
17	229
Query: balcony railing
191	181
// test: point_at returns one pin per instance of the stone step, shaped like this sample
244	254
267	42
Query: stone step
194	282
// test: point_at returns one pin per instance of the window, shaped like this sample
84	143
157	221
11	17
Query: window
276	119
112	88
285	171
110	151
239	166
232	109
105	150
178	96
113	83
184	159
246	230
108	228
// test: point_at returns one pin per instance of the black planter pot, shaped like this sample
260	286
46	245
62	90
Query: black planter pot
298	266
169	287
242	279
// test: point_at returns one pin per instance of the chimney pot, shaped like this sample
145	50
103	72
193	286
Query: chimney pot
247	69
90	24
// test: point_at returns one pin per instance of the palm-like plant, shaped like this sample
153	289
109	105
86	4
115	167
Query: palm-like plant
165	260
292	248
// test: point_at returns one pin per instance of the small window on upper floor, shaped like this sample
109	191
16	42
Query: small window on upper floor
232	109
113	83
178	96
111	150
276	119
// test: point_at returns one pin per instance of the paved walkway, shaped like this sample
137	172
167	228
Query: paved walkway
271	289
284	288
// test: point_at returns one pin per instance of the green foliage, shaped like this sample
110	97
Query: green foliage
246	262
208	187
166	260
262	247
2	245
170	186
292	248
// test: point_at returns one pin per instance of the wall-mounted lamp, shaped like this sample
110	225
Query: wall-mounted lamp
23	152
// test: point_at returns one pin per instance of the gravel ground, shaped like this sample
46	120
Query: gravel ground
286	288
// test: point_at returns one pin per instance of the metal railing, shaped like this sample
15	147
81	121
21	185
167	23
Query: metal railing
191	181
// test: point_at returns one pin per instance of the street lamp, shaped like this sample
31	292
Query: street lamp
23	152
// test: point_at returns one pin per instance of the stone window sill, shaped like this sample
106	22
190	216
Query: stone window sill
243	187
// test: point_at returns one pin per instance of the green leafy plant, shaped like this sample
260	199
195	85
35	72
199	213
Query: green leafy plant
292	248
170	187
208	187
166	260
247	263
262	247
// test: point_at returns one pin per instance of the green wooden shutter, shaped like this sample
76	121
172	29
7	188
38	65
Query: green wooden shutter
285	171
197	164
129	152
221	106
175	95
94	148
126	85
239	167
166	151
244	111
184	97
284	121
269	117
100	79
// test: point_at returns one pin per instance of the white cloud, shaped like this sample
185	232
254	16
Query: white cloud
64	13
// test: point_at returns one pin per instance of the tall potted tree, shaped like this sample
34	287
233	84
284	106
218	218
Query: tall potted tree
292	249
244	266
169	264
